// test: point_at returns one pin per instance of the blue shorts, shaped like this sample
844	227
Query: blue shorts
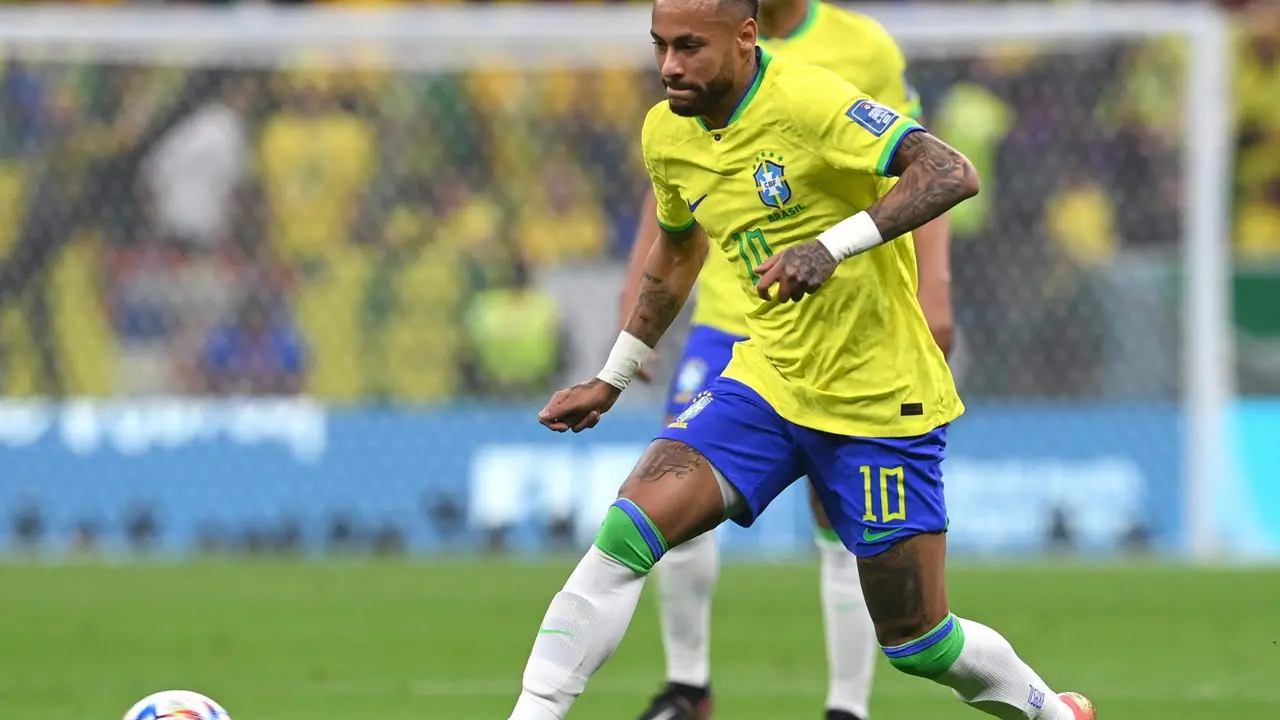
706	354
876	491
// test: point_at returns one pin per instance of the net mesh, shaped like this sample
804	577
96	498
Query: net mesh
375	217
336	229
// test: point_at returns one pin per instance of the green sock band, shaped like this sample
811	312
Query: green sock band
630	537
932	654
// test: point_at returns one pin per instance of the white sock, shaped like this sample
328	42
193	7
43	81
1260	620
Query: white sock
991	677
581	629
851	637
687	578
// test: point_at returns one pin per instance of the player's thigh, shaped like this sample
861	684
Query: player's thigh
707	352
819	513
884	499
726	455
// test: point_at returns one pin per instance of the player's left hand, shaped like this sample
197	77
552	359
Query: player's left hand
797	271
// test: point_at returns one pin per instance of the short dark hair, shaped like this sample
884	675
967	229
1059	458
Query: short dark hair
750	7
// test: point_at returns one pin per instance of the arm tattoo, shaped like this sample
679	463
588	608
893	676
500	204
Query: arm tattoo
811	263
932	178
666	458
655	310
671	270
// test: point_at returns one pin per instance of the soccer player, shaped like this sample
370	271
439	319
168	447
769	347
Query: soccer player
857	48
804	182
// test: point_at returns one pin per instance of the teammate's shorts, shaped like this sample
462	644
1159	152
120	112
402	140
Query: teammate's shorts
707	353
876	491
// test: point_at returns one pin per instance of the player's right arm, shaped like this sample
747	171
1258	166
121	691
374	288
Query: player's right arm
670	270
646	235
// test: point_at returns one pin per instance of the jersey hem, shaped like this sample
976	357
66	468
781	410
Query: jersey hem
823	423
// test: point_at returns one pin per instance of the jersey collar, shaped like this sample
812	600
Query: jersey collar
810	16
762	64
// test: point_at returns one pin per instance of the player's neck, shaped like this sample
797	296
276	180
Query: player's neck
719	117
780	18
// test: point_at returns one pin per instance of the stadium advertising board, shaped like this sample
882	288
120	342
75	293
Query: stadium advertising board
177	476
1247	507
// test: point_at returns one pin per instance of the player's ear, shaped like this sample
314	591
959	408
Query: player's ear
748	33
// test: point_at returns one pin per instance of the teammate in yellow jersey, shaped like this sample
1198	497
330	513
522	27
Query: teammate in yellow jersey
838	380
857	48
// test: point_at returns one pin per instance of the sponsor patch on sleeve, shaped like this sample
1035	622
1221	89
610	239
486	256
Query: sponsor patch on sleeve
872	116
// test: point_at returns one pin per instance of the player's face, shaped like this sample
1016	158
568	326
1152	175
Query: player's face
700	50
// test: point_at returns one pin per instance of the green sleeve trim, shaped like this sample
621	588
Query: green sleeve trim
677	228
905	127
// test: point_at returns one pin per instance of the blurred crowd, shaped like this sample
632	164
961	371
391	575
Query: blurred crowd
356	234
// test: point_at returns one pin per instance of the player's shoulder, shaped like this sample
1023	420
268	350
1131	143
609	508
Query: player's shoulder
801	88
663	130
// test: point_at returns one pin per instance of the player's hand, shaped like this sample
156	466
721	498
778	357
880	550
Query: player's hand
643	374
797	271
579	408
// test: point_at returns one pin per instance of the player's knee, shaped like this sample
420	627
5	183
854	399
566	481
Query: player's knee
931	654
630	537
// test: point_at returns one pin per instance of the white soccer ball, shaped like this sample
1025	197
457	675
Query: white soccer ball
176	705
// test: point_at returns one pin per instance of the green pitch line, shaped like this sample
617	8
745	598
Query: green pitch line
296	641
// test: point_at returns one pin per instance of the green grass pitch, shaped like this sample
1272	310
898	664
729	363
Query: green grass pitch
428	641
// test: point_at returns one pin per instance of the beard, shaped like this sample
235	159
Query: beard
705	97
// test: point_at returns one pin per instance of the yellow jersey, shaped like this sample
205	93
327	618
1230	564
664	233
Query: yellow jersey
804	150
313	170
858	49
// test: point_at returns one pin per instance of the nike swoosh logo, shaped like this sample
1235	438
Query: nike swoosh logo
694	205
868	536
551	631
669	713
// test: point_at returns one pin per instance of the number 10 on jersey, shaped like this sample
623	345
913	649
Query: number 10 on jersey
890	478
754	250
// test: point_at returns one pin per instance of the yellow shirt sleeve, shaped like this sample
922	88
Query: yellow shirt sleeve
674	214
855	133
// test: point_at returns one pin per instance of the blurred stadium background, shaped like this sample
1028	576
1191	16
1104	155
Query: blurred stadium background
282	288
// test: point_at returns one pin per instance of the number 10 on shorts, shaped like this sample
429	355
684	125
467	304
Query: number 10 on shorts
890	478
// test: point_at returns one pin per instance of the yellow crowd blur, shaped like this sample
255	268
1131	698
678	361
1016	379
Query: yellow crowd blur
394	203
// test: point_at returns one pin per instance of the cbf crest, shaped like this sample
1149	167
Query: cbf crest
691	378
700	402
771	180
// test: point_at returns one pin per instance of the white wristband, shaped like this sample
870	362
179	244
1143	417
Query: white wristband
626	358
851	236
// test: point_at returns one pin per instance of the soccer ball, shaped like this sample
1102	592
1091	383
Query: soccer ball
176	705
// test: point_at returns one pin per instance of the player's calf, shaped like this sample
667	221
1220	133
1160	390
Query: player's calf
906	595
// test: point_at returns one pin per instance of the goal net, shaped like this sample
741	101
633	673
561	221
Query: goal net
387	235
